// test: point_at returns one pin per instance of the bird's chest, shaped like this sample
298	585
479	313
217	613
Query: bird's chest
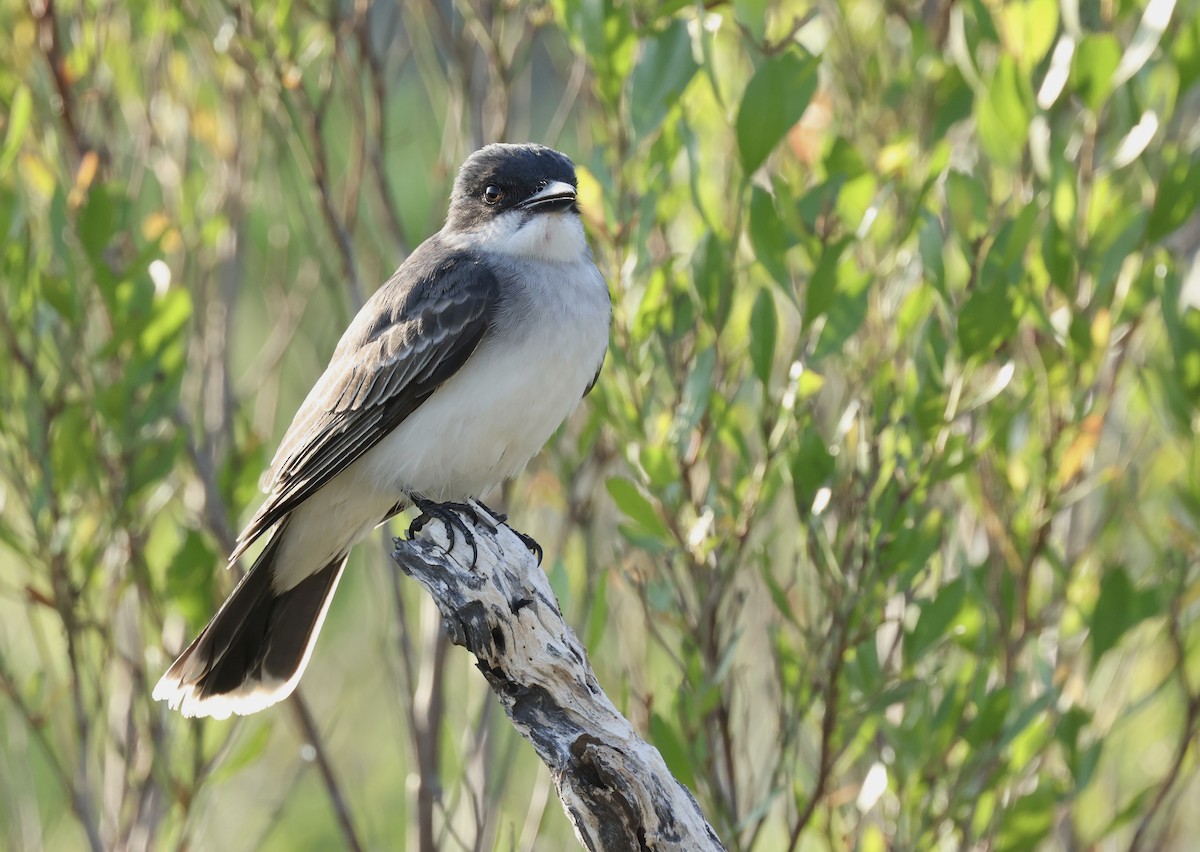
525	378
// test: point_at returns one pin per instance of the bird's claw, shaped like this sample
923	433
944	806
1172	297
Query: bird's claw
498	517
529	542
501	518
451	515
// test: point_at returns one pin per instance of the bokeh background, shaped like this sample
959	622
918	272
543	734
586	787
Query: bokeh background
883	522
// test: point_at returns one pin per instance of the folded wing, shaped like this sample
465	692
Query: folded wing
425	323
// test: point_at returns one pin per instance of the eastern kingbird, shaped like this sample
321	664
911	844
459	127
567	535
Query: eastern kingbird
447	382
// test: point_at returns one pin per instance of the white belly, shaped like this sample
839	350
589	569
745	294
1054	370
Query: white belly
485	424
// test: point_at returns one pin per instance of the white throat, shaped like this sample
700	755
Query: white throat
548	237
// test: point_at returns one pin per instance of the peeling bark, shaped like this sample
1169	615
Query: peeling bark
615	788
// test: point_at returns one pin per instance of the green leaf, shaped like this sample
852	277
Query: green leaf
637	507
1177	199
97	224
171	312
60	227
823	283
153	462
968	205
844	161
864	669
666	9
816	204
987	318
931	244
14	542
768	236
1070	724
936	617
1119	608
811	466
911	545
697	391
989	717
1083	763
848	311
663	72
952	102
929	408
597	614
660	465
1061	259
1011	250
1185	51
764	324
72	447
654	311
63	295
854	200
672	748
774	100
1117	237
1032	26
248	750
752	14
778	596
19	113
1096	58
190	578
1029	820
603	33
982	28
990	315
1002	117
714	279
1183	334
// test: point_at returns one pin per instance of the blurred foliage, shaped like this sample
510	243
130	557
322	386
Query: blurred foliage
883	522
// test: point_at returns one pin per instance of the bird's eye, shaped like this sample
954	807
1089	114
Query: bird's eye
493	194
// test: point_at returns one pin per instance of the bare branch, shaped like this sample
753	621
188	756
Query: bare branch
615	788
48	41
337	799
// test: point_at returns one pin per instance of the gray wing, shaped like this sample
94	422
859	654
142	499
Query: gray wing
415	333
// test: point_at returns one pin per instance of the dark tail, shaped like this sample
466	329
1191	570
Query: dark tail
254	650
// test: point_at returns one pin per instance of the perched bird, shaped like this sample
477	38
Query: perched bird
452	376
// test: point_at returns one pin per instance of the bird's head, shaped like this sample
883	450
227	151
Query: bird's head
518	200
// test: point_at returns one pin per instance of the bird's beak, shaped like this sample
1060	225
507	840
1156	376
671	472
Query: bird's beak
555	196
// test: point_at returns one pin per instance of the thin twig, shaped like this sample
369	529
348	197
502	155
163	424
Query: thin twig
375	153
829	714
1191	729
312	736
47	26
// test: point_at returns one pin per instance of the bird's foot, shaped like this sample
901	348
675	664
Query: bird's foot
498	517
529	542
451	515
501	518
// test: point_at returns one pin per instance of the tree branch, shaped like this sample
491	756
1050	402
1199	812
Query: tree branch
615	788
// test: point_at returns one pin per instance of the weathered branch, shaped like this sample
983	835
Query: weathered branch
615	787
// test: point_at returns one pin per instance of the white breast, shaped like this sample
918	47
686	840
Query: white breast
489	419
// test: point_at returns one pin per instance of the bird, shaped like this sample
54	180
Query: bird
451	377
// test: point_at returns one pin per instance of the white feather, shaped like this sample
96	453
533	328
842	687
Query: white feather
252	695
